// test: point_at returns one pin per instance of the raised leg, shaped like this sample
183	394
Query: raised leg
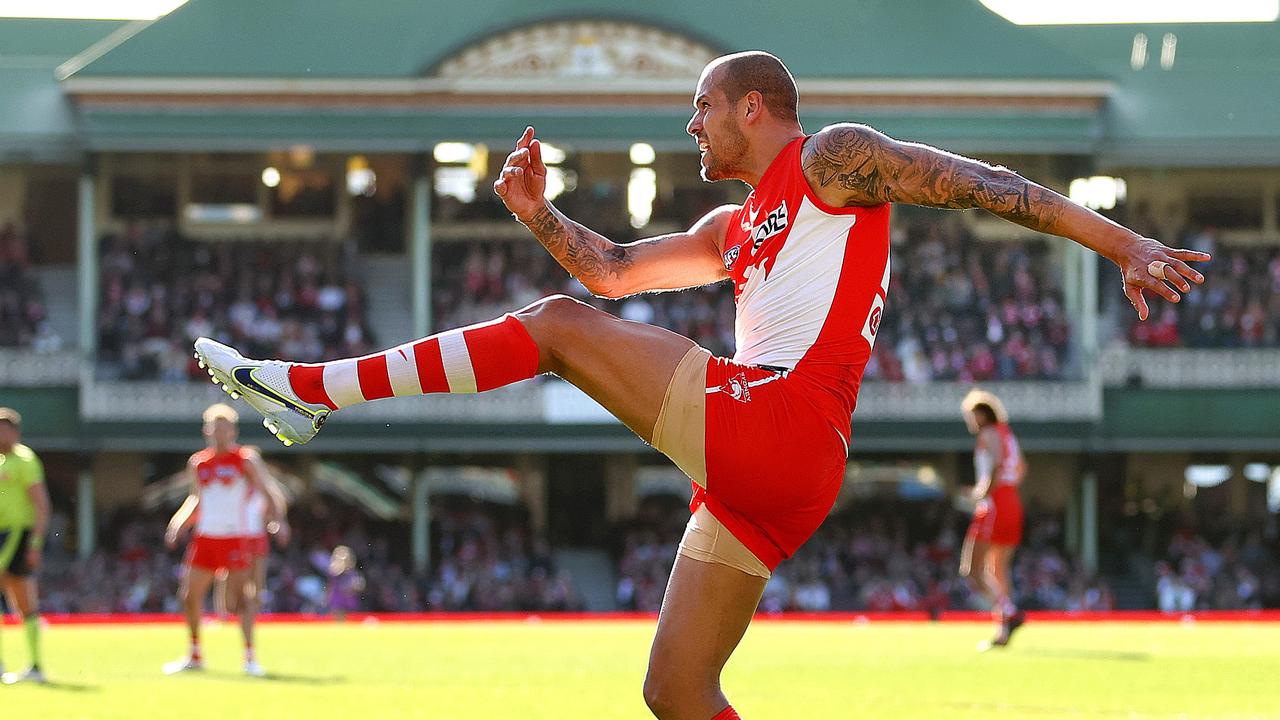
623	365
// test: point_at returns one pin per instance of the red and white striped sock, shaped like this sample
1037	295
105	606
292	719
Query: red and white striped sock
467	360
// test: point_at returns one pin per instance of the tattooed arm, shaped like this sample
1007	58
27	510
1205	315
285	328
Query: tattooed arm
611	270
850	164
606	268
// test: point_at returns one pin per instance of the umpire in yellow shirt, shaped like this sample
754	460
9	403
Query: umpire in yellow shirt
24	518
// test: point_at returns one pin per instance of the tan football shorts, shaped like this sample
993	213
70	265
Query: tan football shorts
680	433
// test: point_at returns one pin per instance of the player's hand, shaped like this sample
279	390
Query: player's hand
522	184
34	556
1150	265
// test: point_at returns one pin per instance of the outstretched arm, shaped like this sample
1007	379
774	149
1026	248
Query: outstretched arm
606	268
850	164
185	517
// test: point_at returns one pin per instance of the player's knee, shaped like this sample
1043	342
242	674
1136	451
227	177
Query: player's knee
658	697
554	312
670	695
553	319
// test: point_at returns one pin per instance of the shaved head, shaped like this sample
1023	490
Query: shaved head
740	73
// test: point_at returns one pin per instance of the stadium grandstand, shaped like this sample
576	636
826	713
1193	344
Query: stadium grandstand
313	181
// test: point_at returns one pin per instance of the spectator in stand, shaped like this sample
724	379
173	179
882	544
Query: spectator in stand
977	311
882	557
161	291
23	321
1241	307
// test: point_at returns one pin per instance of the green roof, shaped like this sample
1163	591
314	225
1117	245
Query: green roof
1216	105
35	117
1219	103
54	40
406	38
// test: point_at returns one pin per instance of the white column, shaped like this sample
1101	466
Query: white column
1089	522
420	531
1088	327
87	265
420	248
86	530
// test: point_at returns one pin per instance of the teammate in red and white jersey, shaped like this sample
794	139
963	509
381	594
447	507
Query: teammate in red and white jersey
996	528
764	435
262	522
223	476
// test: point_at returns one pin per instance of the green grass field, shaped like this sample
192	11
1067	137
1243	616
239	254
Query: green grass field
594	670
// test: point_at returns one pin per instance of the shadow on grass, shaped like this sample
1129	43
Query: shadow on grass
61	686
1075	654
1021	710
273	677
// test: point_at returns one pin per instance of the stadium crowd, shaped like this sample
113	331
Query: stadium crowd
879	556
873	556
160	291
22	310
481	565
960	309
1237	307
1239	573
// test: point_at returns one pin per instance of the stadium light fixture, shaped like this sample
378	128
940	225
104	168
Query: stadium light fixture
559	181
1207	476
1109	12
552	155
453	152
1258	472
1099	192
361	179
642	189
89	9
642	154
270	176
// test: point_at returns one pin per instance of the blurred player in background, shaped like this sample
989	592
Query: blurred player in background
224	478
345	583
996	529
260	526
765	435
24	518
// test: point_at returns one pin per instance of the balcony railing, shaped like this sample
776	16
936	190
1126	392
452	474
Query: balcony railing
27	368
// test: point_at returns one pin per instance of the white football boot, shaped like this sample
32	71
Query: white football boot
264	384
253	669
186	664
32	675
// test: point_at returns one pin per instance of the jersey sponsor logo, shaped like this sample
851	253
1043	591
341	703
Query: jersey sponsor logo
774	223
872	325
731	257
225	474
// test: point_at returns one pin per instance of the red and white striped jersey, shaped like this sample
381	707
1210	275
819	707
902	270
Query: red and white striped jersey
255	518
1009	472
810	280
224	492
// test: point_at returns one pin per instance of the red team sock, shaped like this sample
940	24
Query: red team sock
727	714
195	646
467	360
